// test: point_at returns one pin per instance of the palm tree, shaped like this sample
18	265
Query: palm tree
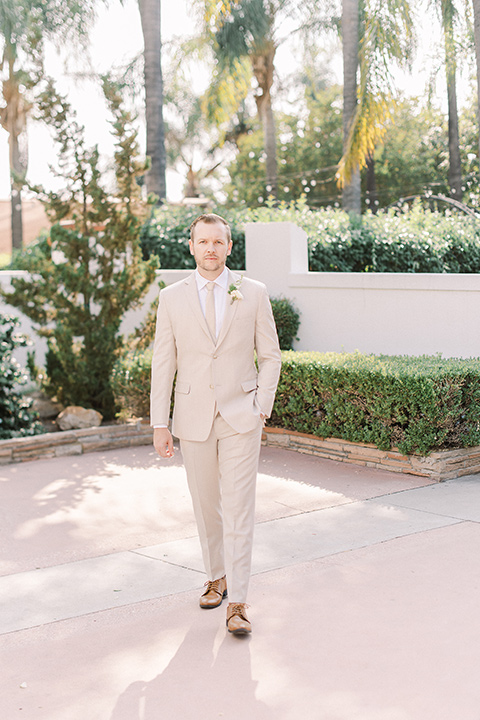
351	199
448	16
246	31
150	13
476	34
375	36
24	27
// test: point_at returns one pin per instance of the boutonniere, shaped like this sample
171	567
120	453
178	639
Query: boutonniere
234	291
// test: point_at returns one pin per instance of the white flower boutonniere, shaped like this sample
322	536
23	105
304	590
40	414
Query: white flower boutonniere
234	291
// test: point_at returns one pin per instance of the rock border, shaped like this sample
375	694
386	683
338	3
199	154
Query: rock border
75	442
439	466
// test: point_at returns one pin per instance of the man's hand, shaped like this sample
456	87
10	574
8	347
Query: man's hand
163	442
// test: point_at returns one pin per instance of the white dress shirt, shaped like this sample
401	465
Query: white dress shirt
219	295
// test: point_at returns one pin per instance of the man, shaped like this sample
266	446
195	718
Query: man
209	328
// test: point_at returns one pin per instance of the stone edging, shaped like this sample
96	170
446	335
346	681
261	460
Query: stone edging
439	466
74	442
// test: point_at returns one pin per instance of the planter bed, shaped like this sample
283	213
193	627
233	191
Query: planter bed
440	465
74	442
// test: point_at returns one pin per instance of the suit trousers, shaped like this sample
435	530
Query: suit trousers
222	475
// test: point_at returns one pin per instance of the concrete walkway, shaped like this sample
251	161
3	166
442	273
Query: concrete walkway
364	600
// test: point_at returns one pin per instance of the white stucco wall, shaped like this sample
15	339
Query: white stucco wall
407	314
390	313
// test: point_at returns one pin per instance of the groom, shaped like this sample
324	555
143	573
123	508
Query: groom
216	332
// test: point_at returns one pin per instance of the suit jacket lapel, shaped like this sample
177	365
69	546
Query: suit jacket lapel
230	309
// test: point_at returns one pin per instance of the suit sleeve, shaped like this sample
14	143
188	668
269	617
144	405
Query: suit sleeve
268	354
164	365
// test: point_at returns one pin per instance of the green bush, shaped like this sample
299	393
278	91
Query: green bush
81	279
411	241
131	384
16	417
287	320
417	404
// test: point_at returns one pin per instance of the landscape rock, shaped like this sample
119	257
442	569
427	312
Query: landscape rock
46	408
77	418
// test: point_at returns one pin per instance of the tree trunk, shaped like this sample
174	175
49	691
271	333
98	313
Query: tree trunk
263	68
351	197
476	31
151	27
13	119
371	184
455	168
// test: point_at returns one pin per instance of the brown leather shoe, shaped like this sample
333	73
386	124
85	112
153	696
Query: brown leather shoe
214	594
237	621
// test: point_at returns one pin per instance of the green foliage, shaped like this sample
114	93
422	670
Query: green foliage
84	275
408	240
417	404
413	241
16	417
131	384
287	320
412	158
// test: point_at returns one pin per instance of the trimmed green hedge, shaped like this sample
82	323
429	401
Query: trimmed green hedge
417	404
411	241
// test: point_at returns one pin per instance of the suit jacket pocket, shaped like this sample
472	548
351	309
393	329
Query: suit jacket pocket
249	385
182	387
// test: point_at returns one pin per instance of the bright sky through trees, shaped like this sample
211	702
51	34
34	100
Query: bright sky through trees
117	39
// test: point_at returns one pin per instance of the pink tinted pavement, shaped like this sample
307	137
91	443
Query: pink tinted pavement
364	595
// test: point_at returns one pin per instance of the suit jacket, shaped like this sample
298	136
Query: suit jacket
213	375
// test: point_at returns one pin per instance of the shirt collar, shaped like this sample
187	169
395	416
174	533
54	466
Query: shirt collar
221	280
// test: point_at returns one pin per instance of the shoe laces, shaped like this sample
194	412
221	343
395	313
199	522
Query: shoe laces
212	585
238	609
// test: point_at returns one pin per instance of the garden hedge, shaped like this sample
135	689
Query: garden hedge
417	404
412	240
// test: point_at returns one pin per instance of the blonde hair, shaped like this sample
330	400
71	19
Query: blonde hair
210	218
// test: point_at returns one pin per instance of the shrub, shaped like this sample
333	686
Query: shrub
415	403
82	279
16	417
131	384
287	320
411	241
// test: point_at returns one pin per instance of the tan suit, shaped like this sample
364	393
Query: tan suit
219	395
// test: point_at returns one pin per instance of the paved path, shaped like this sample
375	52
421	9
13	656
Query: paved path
364	600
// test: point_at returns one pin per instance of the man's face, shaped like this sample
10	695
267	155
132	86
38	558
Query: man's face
210	248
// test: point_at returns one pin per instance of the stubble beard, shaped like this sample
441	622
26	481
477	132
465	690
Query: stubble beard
210	265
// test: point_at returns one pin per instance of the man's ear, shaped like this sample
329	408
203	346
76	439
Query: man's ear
190	245
229	248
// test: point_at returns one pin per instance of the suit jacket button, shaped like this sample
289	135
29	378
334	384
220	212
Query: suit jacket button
212	387
215	357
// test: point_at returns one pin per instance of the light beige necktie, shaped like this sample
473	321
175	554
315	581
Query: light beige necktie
210	310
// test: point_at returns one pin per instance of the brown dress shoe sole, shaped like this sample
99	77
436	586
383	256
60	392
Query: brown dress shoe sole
240	631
